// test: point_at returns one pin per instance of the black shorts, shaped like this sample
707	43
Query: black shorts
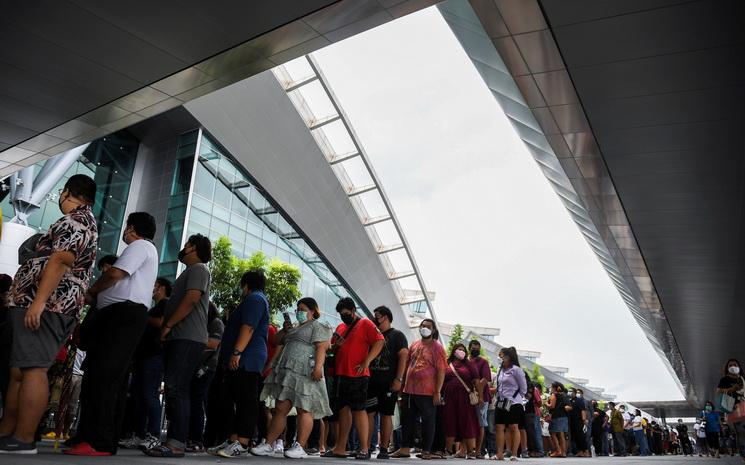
516	416
350	392
38	349
380	399
712	440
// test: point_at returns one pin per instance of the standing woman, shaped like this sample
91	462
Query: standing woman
459	415
732	384
511	388
557	406
713	427
297	380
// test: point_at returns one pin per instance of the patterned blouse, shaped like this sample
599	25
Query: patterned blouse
75	232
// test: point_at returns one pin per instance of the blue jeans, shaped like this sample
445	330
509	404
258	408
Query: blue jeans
491	432
538	434
180	359
146	378
641	441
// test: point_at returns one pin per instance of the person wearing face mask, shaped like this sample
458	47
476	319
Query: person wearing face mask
386	377
425	374
685	441
511	389
713	427
122	295
459	415
617	423
732	384
700	431
356	342
184	335
482	410
47	294
296	379
578	423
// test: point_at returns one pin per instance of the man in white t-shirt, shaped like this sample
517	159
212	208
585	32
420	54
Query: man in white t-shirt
699	430
122	296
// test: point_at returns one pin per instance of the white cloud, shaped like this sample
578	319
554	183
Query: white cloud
490	235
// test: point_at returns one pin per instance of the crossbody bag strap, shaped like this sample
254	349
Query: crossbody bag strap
455	372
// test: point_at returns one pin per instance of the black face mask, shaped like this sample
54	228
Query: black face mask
182	255
475	353
347	318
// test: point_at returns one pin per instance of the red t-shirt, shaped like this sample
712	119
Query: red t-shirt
356	347
271	347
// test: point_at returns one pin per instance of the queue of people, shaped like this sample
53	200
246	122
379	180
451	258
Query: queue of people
236	385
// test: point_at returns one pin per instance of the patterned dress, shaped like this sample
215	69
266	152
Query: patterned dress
290	378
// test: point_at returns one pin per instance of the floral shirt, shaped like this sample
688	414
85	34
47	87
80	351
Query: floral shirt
75	232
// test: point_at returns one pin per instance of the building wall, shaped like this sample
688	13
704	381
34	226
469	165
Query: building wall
282	156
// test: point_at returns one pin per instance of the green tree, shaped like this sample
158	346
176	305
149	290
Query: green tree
537	377
455	337
282	281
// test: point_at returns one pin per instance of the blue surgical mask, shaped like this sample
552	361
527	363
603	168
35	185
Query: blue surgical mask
708	408
301	316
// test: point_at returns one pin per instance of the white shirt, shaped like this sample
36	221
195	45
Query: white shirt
700	430
626	418
79	358
636	423
140	261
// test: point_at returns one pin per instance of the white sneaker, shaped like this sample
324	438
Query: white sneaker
279	446
131	443
216	449
296	452
233	451
149	442
263	449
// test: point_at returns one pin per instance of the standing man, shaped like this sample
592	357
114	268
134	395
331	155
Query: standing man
599	420
386	378
685	441
617	424
243	353
482	410
357	343
578	423
184	334
122	295
46	297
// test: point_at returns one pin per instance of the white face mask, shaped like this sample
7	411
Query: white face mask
735	370
460	354
425	332
579	396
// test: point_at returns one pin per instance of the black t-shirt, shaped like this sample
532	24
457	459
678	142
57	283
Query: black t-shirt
682	430
384	367
727	382
150	343
597	421
578	405
561	401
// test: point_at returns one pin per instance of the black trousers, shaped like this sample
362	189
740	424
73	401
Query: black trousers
578	435
415	406
118	330
239	402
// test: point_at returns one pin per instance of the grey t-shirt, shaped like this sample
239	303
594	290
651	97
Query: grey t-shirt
194	326
215	329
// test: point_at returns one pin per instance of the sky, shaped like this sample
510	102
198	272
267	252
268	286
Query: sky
490	236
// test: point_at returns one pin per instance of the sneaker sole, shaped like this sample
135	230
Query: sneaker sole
20	452
261	454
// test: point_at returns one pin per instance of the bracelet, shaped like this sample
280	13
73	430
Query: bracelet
237	352
400	380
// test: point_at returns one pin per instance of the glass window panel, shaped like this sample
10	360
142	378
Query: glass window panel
239	208
201	203
198	216
204	184
221	213
268	248
196	228
219	228
222	195
253	244
237	235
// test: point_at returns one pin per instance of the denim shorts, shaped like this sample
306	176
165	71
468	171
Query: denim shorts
482	413
559	425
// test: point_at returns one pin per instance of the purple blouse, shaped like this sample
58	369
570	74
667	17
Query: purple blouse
511	380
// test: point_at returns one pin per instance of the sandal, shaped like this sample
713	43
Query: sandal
163	451
399	455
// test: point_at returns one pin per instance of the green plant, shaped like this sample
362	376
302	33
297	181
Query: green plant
536	375
282	279
455	337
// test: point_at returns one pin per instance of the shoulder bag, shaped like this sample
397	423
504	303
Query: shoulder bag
473	396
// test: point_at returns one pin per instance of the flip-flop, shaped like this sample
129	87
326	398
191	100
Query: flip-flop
398	455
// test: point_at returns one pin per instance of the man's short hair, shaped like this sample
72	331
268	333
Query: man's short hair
165	284
143	223
203	246
82	187
254	280
385	311
106	260
474	342
346	303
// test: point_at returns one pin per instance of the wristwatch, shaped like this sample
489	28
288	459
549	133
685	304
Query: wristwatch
237	352
400	380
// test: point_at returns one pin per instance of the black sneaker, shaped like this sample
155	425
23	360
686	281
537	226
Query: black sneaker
383	455
11	445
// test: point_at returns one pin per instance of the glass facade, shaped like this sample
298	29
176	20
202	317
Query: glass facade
110	162
226	202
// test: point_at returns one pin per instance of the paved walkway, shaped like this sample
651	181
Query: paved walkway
48	456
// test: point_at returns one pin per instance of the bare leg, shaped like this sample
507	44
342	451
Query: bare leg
279	421
469	445
34	396
562	444
480	441
514	440
304	426
371	427
555	442
500	442
449	444
324	435
386	431
345	426
10	413
363	429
